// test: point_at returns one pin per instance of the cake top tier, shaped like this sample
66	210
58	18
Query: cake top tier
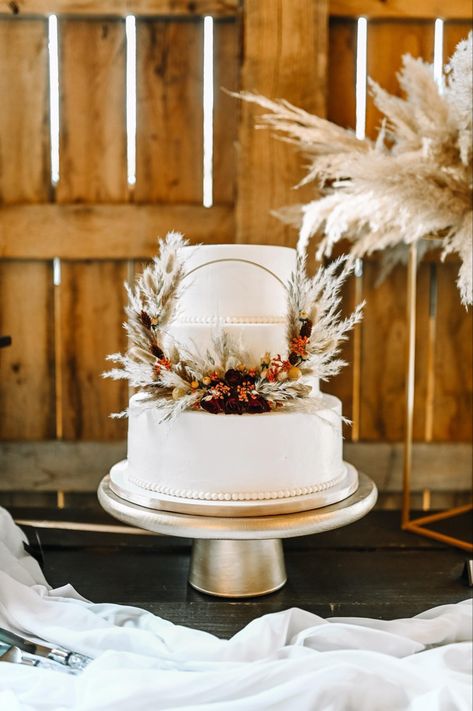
242	282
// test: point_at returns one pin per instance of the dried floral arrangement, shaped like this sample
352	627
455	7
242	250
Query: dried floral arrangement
222	380
414	182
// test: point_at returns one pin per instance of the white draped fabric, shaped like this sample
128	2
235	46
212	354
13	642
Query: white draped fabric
289	660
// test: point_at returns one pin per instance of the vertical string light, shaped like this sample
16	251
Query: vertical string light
208	107
130	89
53	57
53	52
130	31
438	52
360	119
361	51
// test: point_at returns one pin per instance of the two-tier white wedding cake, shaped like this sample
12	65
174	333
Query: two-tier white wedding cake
252	424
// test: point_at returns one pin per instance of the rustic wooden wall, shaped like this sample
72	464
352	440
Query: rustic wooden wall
99	229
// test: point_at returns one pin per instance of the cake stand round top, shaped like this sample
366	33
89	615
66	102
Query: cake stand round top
245	528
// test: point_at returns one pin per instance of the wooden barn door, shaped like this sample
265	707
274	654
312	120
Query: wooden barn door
68	242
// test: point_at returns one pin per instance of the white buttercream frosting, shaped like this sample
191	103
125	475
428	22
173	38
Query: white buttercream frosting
236	280
241	289
217	457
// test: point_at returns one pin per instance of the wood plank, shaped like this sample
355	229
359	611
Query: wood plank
26	382
408	581
26	367
384	336
277	64
383	355
341	109
218	8
169	111
79	466
384	326
399	9
105	231
453	33
453	400
93	169
93	136
24	133
92	312
410	573
388	41
226	76
341	101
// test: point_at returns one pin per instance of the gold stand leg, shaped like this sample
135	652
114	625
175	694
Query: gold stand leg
410	381
239	568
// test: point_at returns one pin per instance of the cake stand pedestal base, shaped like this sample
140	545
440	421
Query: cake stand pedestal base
237	568
239	557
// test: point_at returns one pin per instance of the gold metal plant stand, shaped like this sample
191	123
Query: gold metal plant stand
419	525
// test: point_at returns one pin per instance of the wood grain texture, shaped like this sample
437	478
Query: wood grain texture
26	367
384	326
92	309
93	170
341	102
120	7
453	33
169	111
408	573
226	110
453	411
388	41
278	64
79	466
341	109
106	231
399	9
92	137
383	355
24	132
26	382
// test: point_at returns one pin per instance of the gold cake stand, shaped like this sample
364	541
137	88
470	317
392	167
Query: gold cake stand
239	556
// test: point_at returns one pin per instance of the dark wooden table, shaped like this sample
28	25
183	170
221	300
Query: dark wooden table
369	569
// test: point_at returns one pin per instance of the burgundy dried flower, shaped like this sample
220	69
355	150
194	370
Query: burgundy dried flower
145	319
212	405
256	405
157	351
306	329
293	358
233	377
233	406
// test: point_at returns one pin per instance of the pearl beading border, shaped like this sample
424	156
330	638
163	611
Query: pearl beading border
237	496
214	320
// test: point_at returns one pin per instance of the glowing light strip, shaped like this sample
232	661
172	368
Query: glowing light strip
208	106
130	30
361	44
438	52
56	271
53	53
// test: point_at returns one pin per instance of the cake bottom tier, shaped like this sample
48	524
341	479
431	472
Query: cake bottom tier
236	457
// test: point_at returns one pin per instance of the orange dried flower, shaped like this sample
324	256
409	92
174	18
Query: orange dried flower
298	346
162	363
